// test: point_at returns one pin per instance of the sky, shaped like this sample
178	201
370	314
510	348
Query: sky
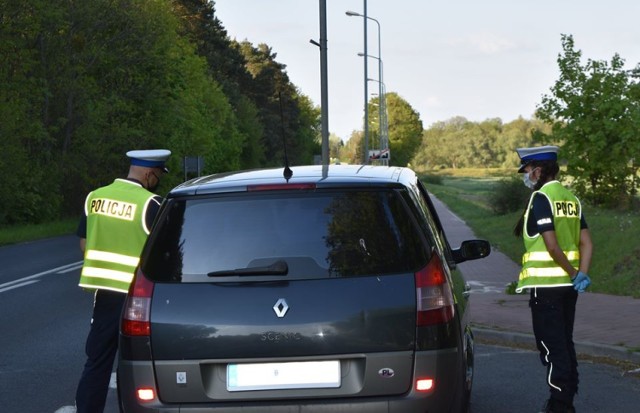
471	58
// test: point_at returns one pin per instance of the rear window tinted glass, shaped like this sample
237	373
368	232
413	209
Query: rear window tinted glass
318	234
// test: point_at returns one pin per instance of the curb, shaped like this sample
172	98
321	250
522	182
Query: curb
509	338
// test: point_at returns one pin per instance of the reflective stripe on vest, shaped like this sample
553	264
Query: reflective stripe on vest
113	257
545	256
108	278
112	275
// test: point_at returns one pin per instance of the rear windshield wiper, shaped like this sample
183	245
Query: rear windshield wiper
279	267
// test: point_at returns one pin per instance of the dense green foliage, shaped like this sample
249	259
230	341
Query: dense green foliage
83	82
459	143
508	195
405	129
595	112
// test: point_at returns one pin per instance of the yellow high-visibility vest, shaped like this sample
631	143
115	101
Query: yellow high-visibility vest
116	233
538	267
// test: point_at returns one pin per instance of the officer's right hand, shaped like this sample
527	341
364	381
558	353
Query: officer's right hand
581	282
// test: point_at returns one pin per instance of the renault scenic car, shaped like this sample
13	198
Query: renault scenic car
331	290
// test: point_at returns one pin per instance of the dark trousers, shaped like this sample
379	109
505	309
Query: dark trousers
101	349
553	313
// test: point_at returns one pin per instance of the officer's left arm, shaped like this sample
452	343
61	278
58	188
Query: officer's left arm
551	242
81	232
586	250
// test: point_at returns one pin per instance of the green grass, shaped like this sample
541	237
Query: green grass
21	233
615	267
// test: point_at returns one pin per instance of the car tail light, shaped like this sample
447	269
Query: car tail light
434	297
425	384
136	313
145	394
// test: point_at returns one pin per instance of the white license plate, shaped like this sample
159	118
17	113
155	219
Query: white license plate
291	375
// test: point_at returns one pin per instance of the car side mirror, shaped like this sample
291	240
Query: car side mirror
471	250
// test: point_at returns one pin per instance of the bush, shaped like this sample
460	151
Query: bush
432	179
510	195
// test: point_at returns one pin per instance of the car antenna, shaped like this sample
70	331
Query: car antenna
287	173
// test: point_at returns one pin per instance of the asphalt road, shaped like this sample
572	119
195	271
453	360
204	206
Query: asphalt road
512	380
45	319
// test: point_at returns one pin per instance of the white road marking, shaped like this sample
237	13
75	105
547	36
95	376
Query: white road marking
75	267
29	279
24	284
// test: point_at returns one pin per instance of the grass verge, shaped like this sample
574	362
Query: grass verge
22	233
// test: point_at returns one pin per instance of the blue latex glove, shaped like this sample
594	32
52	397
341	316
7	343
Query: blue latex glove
581	282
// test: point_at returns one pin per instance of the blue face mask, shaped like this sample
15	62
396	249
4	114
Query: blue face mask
527	180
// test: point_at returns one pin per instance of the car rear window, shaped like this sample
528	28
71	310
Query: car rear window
318	234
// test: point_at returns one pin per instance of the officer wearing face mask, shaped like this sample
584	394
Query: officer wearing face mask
554	269
112	231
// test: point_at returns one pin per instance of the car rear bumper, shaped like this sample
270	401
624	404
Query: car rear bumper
442	366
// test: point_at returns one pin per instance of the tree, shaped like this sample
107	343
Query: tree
460	143
335	146
287	116
353	150
594	111
405	129
26	170
227	66
520	133
83	82
444	145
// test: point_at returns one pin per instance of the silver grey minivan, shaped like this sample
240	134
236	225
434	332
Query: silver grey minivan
331	290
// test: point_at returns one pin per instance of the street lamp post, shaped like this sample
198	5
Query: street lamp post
380	75
381	97
382	124
324	116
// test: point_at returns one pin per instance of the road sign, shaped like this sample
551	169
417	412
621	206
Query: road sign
191	165
379	154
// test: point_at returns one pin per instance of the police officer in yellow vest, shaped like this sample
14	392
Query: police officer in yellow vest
113	230
554	269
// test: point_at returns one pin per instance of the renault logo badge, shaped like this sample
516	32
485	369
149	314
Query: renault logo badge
281	308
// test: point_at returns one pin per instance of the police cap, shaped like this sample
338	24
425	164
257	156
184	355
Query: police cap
150	158
539	153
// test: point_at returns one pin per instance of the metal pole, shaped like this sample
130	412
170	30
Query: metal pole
380	96
366	91
324	105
